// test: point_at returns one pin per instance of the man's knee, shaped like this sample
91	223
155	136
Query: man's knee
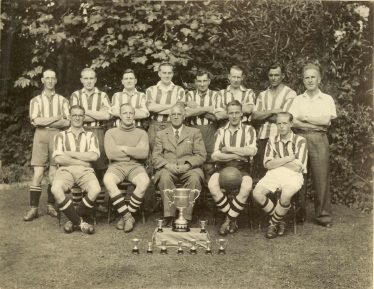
109	180
287	194
195	179
259	193
246	183
93	189
142	181
213	183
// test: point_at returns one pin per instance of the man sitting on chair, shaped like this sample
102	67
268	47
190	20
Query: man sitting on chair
178	154
74	151
127	148
234	145
285	158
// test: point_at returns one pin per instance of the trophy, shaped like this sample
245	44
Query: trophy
222	243
181	198
135	249
193	250
208	250
202	225
159	225
149	250
180	249
164	250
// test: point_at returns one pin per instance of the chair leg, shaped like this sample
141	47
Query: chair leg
294	217
109	210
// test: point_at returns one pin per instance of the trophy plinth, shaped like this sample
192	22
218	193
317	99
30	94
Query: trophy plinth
181	198
180	249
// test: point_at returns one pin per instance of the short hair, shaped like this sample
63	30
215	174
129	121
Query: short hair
237	67
180	105
126	104
128	70
166	64
88	69
312	66
49	69
234	103
77	106
276	65
286	113
202	71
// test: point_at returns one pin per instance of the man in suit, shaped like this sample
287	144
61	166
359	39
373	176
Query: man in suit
178	155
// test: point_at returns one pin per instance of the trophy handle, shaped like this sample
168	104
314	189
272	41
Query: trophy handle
170	194
194	191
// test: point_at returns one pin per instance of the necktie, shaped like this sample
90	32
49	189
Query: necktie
176	135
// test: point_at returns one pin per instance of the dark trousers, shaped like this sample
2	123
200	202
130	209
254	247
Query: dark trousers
259	169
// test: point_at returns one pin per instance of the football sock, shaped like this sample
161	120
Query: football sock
85	207
268	206
235	208
35	192
135	203
68	209
100	198
120	204
223	204
51	198
280	211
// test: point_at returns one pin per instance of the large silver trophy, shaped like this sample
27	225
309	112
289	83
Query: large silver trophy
181	198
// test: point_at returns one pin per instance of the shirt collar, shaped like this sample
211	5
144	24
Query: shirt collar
319	95
44	94
179	130
203	95
241	87
69	130
96	90
228	125
132	93
291	138
168	88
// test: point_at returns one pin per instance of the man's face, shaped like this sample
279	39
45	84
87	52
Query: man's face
235	78
76	118
129	81
127	115
275	77
235	114
311	79
202	83
166	74
177	116
49	79
88	79
284	124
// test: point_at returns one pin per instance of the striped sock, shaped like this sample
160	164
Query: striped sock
50	196
100	198
119	204
85	207
76	194
35	192
235	208
135	203
268	206
280	211
68	209
223	204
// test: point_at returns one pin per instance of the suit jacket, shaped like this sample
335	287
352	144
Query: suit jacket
190	148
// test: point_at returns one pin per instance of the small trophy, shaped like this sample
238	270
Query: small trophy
180	249
208	250
193	250
159	225
203	225
149	250
222	243
135	249
164	250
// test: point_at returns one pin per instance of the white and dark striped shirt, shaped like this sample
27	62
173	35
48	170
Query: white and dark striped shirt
86	141
48	106
209	98
295	144
96	101
243	136
171	95
269	101
137	99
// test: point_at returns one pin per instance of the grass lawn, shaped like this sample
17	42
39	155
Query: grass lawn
39	255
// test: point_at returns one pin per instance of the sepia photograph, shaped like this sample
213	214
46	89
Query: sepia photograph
186	144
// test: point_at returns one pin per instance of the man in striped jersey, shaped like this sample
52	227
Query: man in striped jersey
74	151
276	98
97	106
313	111
236	91
161	98
127	147
49	113
286	159
130	95
201	105
235	144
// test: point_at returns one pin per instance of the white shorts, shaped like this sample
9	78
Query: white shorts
280	178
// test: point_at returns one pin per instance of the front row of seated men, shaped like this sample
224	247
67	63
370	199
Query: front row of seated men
178	156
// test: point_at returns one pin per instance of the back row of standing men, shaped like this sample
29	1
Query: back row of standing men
205	109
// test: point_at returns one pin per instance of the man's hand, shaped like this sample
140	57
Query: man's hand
183	168
172	168
123	149
226	150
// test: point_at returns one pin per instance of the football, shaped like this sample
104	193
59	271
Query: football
230	179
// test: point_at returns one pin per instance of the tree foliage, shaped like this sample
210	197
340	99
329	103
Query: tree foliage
113	35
